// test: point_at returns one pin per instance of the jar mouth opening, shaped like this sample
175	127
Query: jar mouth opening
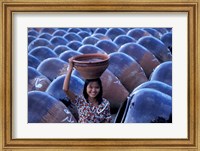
91	58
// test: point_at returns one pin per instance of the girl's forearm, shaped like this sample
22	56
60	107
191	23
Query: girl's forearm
66	83
67	79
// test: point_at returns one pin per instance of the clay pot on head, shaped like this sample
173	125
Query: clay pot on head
91	66
143	56
148	106
127	70
163	73
88	49
43	108
157	47
42	53
107	45
52	68
37	81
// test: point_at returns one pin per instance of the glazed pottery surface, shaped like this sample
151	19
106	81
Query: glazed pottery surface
52	68
112	85
46	36
42	53
55	89
123	39
108	46
74	45
149	106
157	85
144	57
137	33
72	36
114	32
68	54
127	70
60	49
33	61
43	108
88	49
90	40
37	81
157	47
39	42
163	73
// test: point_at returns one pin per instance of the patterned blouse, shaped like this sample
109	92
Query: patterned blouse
93	114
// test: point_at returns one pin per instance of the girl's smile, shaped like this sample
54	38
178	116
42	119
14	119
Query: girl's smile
93	89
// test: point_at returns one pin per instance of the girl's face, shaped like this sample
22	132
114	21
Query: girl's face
93	89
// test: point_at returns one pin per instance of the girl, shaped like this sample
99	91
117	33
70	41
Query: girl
92	108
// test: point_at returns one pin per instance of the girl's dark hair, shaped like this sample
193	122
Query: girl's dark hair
99	96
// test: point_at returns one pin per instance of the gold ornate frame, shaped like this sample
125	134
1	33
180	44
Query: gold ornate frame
9	7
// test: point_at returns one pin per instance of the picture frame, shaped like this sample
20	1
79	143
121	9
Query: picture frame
6	105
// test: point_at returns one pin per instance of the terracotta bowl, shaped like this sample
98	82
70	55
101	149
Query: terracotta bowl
91	66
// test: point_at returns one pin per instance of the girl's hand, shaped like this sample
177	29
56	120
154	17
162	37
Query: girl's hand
71	64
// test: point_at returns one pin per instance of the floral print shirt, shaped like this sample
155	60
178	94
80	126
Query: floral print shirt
93	114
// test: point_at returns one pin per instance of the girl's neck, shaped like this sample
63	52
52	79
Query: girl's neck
93	101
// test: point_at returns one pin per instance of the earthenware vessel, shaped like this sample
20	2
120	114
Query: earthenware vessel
144	57
91	66
149	106
43	108
127	70
163	73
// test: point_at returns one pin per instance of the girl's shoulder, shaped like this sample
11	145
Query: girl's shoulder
79	99
105	102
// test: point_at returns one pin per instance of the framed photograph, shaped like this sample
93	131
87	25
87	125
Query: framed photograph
51	25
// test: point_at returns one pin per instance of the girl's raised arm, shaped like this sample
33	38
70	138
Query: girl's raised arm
66	83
